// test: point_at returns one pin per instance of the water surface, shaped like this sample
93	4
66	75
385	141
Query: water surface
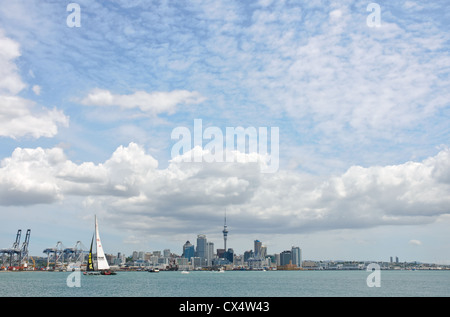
228	284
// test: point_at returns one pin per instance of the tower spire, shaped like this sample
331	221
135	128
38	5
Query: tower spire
225	232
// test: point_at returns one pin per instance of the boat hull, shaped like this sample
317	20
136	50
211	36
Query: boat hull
100	273
91	273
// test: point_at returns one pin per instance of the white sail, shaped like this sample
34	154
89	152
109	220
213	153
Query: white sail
102	264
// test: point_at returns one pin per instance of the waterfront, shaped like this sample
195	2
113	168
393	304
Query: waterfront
394	283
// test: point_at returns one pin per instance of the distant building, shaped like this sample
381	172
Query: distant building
220	253
296	254
257	249
277	259
285	258
166	253
263	253
188	250
229	255
248	254
255	263
202	248
197	262
238	261
209	252
311	265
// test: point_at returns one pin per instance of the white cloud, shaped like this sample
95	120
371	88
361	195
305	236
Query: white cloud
18	117
10	81
154	103
415	242
37	89
134	192
27	177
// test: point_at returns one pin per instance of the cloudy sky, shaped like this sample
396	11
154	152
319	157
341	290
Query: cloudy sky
87	114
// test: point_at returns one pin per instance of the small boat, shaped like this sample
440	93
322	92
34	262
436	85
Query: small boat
184	272
98	266
153	270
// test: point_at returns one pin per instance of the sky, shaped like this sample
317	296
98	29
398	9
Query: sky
90	97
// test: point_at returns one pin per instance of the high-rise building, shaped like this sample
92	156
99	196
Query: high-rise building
210	252
220	253
248	254
188	250
277	259
229	255
257	249
296	254
201	246
263	252
167	253
285	257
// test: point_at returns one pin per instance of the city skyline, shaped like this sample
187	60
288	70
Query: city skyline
321	124
259	251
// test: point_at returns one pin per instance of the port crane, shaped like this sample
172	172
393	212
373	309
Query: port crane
18	255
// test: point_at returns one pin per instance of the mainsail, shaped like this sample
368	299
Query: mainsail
90	265
102	263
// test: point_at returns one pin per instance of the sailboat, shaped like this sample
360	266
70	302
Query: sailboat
98	266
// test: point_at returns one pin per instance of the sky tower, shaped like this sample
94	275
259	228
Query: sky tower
225	233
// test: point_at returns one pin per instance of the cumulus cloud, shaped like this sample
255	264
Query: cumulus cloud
18	116
27	177
10	81
154	103
140	196
32	176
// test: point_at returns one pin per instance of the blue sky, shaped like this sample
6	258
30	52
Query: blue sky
87	114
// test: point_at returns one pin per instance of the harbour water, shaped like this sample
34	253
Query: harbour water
227	284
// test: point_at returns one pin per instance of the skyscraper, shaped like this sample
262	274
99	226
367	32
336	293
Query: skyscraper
201	246
258	249
296	254
188	250
285	257
202	249
209	252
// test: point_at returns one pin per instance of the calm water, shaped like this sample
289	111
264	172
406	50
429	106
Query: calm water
228	284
